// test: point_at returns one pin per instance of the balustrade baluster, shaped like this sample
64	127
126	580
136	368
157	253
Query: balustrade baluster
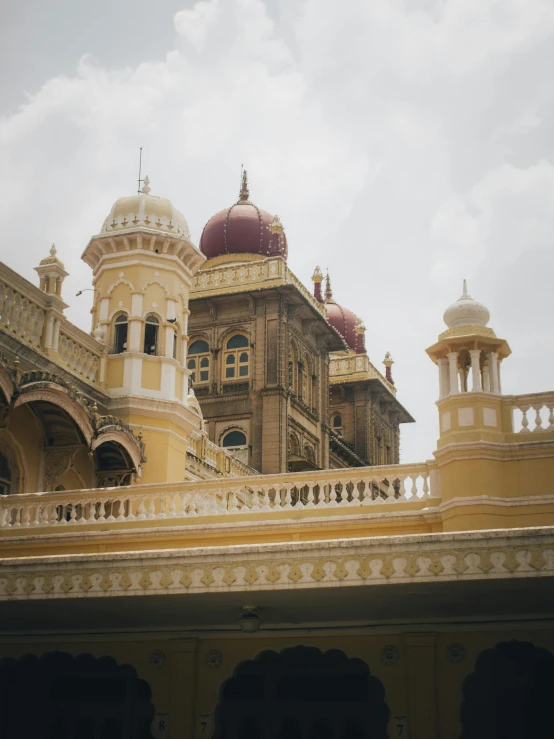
25	520
332	495
402	492
141	510
426	492
4	517
102	511
310	499
110	506
524	419
38	515
391	492
538	419
288	497
172	512
17	518
82	511
151	508
72	513
120	509
91	518
550	407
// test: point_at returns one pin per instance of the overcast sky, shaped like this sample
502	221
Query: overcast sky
405	145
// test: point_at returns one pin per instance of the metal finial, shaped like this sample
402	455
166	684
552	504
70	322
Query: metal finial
53	250
146	186
317	275
465	293
328	290
244	194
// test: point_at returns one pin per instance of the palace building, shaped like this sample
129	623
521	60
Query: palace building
206	529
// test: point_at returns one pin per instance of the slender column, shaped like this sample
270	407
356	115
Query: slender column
493	369
500	376
49	331
475	355
444	384
462	376
453	371
56	335
135	323
486	378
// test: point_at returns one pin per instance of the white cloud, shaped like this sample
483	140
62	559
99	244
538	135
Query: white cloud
405	145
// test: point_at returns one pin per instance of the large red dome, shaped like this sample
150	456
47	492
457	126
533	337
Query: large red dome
243	229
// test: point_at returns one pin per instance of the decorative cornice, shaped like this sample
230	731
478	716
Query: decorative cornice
482	555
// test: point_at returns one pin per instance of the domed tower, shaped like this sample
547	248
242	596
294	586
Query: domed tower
245	230
143	263
349	326
469	355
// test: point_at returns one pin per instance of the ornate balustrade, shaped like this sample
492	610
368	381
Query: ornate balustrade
20	313
79	351
540	408
36	318
270	271
341	369
345	492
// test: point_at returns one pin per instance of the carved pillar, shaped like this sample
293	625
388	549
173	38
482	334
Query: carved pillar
444	381
453	372
475	355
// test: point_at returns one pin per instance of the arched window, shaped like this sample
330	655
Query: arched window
151	327
234	438
293	369
236	358
120	334
305	374
6	477
337	423
199	362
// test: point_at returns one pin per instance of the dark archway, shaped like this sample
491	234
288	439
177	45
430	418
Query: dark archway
302	693
508	695
58	696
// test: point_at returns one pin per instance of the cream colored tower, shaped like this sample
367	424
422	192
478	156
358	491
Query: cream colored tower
469	355
143	263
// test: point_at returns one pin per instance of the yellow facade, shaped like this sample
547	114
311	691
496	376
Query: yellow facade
371	594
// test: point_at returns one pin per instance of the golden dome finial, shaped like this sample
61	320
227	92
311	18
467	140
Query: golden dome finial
146	187
276	227
244	194
317	275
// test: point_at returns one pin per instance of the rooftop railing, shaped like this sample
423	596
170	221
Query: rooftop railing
345	492
532	412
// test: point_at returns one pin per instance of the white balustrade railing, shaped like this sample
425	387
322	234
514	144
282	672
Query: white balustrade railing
344	366
82	360
532	412
342	492
21	315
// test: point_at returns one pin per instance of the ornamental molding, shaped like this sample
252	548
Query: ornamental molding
427	558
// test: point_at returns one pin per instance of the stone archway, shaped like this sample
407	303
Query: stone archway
58	696
302	693
508	694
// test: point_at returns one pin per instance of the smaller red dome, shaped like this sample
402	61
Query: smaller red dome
343	321
243	229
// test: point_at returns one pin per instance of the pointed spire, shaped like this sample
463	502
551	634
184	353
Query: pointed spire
328	291
146	187
388	361
244	194
465	293
53	250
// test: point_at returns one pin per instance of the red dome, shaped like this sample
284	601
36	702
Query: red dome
345	322
243	229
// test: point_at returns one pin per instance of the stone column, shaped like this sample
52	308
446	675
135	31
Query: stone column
453	371
422	685
493	369
135	324
475	355
183	688
486	378
444	384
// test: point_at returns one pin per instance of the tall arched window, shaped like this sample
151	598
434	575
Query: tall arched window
293	369
6	477
305	372
236	358
199	362
120	334
151	327
337	423
233	439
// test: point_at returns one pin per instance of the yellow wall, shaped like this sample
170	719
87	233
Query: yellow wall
423	685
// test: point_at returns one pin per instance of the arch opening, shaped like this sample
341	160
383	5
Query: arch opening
506	695
82	696
298	693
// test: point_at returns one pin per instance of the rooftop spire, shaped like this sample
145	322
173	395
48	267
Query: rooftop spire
146	187
244	194
328	291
